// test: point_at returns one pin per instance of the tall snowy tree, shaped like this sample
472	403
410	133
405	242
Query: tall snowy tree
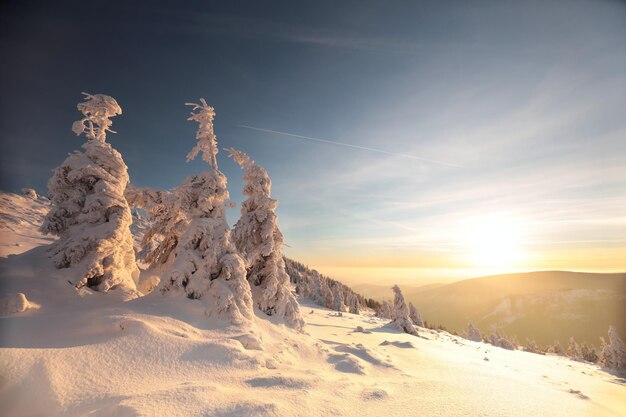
354	304
89	213
400	314
416	318
259	240
338	304
329	296
206	263
613	353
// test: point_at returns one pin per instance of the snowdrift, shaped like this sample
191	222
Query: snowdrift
84	353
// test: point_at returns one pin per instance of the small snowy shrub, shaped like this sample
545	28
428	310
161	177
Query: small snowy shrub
13	303
30	193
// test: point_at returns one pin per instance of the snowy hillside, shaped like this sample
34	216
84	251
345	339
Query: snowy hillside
85	353
92	355
546	306
20	218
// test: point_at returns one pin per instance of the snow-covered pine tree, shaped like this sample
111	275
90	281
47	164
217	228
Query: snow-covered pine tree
613	353
258	238
400	314
531	346
556	348
386	310
206	263
88	210
329	296
416	318
169	221
473	333
354	304
501	341
573	350
338	304
588	354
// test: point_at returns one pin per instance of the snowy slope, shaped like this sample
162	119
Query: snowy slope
82	353
20	218
89	354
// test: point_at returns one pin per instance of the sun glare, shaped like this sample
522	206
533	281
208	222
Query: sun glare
494	241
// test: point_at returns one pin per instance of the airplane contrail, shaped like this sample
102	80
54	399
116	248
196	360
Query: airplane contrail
348	145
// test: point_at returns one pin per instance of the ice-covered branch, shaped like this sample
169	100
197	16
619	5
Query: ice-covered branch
207	141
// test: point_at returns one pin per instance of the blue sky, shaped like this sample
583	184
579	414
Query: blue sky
522	104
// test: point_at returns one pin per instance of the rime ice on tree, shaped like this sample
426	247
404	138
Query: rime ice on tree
260	241
473	333
89	212
613	353
169	222
207	141
338	304
206	264
416	318
400	313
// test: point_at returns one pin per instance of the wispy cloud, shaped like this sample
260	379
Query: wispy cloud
349	145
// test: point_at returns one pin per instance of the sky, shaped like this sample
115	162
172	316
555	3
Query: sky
407	141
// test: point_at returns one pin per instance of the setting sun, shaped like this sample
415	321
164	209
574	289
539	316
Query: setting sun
494	241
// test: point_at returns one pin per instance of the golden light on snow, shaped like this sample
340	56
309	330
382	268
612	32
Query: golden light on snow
494	241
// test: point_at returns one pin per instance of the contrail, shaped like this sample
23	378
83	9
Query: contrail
348	145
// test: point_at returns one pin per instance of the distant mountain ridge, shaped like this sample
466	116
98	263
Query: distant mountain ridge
546	306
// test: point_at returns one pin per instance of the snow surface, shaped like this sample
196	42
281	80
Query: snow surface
85	353
20	218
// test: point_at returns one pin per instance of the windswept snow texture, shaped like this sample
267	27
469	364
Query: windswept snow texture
84	353
20	219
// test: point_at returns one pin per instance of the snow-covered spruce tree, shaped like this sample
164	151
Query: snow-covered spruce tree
473	333
386	310
88	210
329	296
416	318
531	346
338	304
169	222
206	264
613	353
556	348
400	314
588	354
573	350
354	304
502	341
260	241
